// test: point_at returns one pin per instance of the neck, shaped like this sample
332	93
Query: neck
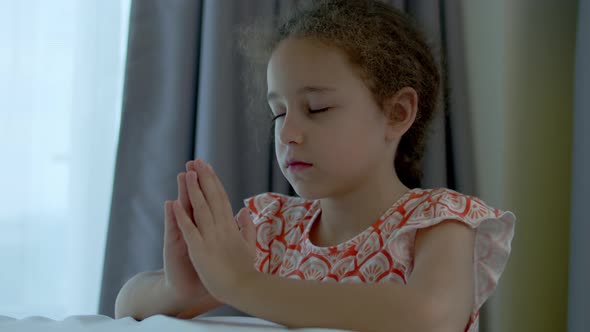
344	216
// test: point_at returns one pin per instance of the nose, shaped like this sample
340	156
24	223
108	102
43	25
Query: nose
290	130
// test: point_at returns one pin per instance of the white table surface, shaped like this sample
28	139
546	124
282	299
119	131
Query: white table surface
95	323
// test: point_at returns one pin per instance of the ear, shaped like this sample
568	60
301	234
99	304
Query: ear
400	110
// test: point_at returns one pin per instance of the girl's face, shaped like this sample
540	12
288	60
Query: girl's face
328	118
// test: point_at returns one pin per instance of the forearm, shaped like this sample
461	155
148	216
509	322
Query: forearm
145	295
357	307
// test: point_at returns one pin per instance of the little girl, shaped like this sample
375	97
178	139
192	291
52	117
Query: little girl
352	87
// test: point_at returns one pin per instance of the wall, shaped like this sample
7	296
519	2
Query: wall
520	68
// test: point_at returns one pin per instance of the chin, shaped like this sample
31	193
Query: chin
308	193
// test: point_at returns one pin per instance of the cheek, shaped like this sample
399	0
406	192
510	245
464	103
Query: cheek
348	153
278	147
355	145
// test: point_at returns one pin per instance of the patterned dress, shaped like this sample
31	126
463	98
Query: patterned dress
384	252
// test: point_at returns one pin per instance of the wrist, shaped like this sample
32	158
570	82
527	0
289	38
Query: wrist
247	288
174	300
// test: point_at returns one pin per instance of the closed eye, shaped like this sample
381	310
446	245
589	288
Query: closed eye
310	111
319	110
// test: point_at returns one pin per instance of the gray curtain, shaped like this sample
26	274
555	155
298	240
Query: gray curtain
184	98
579	264
449	160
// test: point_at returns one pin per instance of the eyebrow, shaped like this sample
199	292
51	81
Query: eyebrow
306	89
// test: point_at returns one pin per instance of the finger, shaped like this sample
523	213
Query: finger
247	224
173	240
191	166
183	193
247	229
214	192
225	199
171	227
171	231
189	232
240	218
201	210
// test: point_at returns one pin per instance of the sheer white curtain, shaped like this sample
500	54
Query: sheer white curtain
61	79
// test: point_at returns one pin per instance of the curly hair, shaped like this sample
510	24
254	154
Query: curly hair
386	47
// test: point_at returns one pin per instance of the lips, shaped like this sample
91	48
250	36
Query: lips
297	163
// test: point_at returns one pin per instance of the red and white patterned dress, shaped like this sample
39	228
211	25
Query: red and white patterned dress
383	252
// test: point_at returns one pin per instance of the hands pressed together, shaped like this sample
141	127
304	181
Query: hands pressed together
208	254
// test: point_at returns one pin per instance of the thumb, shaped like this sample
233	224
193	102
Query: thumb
247	228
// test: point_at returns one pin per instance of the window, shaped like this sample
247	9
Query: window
61	82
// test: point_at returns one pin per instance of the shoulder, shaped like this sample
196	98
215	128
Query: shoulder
435	205
452	216
444	216
444	230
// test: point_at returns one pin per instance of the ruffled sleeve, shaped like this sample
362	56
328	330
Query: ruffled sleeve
494	230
